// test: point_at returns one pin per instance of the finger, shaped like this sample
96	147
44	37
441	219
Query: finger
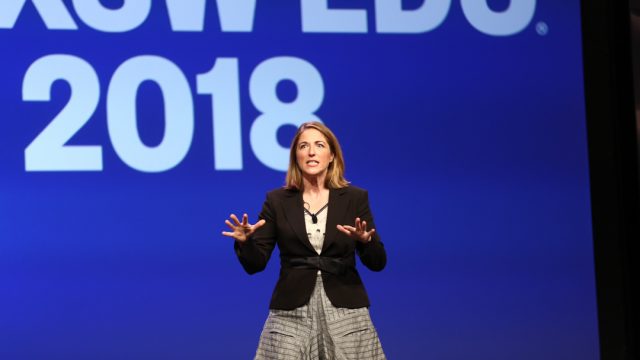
350	228
357	223
235	219
245	219
259	224
343	230
229	224
364	226
369	234
234	235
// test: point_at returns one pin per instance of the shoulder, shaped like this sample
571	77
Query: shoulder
281	193
353	191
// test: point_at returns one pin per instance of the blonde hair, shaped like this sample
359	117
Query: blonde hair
335	172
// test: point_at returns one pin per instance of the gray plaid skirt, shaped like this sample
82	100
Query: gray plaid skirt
319	330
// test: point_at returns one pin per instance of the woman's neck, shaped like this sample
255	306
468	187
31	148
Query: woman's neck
314	186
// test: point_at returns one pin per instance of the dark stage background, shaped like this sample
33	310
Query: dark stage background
127	138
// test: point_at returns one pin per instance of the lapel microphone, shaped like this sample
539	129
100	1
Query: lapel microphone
314	217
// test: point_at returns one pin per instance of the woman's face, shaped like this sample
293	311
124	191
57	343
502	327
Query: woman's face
313	153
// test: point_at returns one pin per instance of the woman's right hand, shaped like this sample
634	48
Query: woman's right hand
241	230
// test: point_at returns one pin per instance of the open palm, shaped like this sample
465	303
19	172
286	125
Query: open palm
357	232
241	230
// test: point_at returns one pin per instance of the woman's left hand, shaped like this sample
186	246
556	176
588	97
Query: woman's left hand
358	232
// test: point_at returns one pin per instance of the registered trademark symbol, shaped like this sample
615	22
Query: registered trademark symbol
542	28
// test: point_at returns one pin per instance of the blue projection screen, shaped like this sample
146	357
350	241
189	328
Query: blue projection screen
131	129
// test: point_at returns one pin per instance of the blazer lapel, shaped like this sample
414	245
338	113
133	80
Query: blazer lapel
294	211
338	204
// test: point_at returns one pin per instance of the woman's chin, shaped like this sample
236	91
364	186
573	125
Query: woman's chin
313	172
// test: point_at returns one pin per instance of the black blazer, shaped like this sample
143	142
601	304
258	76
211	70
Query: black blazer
284	214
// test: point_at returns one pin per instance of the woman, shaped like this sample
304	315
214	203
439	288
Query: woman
319	307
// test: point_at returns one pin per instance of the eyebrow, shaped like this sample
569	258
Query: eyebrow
316	142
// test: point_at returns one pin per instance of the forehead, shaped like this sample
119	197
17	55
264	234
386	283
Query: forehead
311	136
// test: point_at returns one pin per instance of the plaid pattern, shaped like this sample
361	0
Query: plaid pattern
318	330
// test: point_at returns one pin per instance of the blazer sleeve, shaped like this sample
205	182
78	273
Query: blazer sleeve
255	252
372	254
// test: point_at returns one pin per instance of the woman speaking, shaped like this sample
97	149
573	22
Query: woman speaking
319	307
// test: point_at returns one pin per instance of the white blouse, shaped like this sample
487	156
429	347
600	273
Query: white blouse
316	232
